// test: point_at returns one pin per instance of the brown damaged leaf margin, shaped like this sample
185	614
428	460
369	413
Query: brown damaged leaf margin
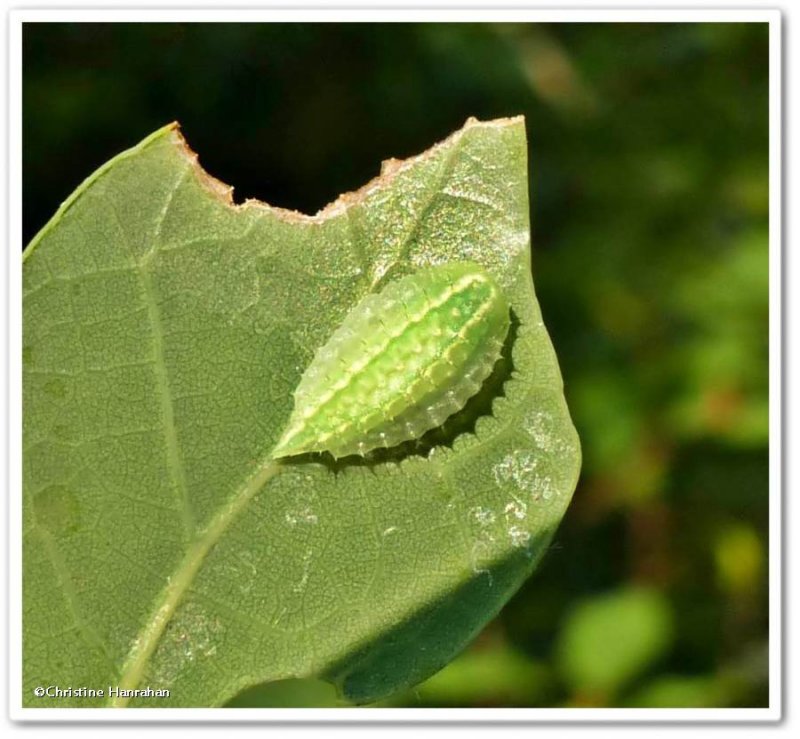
390	168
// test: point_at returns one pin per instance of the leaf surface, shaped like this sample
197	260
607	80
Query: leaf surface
165	330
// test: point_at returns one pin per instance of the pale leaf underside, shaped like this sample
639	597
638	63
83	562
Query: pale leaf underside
165	331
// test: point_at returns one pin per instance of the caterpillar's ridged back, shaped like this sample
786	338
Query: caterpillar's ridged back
402	362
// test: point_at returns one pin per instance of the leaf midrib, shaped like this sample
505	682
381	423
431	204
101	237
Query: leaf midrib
177	585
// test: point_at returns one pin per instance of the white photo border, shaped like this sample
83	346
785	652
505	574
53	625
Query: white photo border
359	12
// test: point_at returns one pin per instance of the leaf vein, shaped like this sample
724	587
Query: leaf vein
70	595
174	457
181	580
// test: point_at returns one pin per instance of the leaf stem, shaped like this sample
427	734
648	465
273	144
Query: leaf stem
166	605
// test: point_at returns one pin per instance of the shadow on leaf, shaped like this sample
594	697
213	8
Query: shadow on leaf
411	650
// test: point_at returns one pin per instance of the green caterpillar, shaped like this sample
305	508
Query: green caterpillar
401	363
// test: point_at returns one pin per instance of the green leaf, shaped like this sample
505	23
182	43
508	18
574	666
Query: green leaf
681	691
608	640
491	676
165	330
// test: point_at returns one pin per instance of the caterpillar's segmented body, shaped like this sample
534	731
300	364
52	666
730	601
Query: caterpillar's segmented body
401	363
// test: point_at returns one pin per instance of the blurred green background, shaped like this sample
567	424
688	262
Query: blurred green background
648	150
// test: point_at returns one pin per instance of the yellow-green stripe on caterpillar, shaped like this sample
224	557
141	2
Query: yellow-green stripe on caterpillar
403	361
